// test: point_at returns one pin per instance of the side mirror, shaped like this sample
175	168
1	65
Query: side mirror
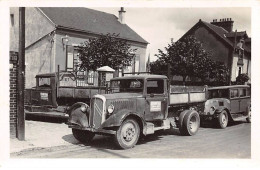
151	95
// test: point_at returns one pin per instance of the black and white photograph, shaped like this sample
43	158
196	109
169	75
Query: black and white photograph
127	80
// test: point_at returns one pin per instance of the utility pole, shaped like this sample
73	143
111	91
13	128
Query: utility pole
21	75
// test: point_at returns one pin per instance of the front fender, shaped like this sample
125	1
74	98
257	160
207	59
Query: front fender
116	119
76	105
76	116
219	104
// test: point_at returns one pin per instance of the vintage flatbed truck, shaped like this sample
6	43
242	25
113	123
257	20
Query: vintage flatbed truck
136	105
55	92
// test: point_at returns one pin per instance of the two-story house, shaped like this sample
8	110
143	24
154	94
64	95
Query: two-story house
233	48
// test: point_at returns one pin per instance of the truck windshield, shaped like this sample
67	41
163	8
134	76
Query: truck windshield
127	86
44	82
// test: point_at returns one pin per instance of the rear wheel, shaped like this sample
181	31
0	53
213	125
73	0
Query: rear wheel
223	120
83	135
190	124
248	119
128	134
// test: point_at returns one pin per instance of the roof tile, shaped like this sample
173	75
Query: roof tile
90	20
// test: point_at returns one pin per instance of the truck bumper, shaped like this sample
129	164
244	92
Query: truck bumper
101	131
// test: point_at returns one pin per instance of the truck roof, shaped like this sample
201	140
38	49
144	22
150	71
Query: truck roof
46	75
228	87
141	77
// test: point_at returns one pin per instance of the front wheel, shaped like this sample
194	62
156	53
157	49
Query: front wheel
223	120
128	134
190	124
83	135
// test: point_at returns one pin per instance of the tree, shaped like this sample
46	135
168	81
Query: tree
106	50
242	79
158	67
188	58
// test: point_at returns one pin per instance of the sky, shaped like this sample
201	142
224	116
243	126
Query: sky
159	25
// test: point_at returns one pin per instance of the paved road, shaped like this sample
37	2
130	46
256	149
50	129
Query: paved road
209	142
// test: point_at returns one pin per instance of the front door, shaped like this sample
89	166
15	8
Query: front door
156	99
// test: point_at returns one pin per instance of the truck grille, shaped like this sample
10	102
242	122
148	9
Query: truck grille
95	118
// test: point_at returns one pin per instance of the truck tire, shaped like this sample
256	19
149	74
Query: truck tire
222	120
248	119
127	134
190	124
83	135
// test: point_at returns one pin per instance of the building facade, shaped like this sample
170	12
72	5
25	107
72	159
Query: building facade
53	35
233	48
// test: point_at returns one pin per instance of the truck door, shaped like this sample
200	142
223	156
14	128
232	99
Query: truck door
234	101
156	99
244	99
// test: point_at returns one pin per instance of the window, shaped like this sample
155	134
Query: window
242	92
135	66
70	58
12	19
91	76
137	63
73	61
221	93
73	64
239	70
248	92
155	87
44	82
234	93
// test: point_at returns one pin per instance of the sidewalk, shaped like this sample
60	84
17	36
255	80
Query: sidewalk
43	134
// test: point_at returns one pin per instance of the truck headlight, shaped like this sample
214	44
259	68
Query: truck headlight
110	109
212	110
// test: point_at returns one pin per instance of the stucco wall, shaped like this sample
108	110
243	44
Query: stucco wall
36	25
14	28
74	39
212	44
38	60
142	52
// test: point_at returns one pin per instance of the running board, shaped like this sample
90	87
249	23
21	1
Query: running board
150	129
240	118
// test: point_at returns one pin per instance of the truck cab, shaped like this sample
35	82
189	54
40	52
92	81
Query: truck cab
43	95
134	105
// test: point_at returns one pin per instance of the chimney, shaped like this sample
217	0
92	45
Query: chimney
121	17
225	23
